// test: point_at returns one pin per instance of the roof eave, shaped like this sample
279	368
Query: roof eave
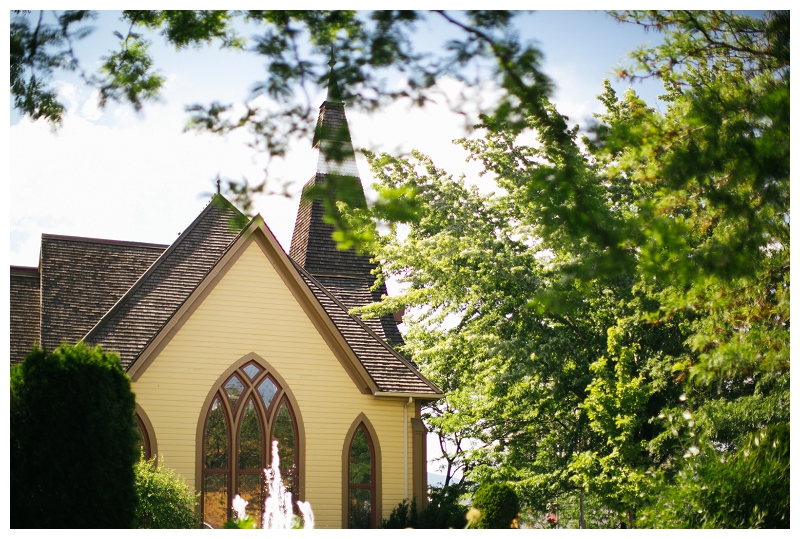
415	396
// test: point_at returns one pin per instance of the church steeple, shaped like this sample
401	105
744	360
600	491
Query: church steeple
345	274
312	246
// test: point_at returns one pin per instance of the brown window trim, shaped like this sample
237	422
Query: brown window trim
150	442
233	416
377	482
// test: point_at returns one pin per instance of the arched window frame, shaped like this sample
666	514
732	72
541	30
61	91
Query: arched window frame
149	434
376	470
233	417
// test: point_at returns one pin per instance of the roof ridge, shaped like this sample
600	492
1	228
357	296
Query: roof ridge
178	308
155	265
369	331
102	240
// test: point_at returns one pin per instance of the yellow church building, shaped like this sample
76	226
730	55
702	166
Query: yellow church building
231	343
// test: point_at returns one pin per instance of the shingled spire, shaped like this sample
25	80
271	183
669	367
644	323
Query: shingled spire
346	275
312	246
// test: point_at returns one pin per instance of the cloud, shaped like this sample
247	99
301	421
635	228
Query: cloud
90	110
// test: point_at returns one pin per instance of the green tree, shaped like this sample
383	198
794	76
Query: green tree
73	440
645	278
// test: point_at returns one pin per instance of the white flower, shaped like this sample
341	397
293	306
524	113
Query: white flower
239	504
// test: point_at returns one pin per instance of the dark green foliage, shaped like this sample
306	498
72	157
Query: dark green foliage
403	516
498	504
73	440
165	501
748	489
443	511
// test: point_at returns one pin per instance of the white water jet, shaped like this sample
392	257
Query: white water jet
278	505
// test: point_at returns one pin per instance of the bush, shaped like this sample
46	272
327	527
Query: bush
73	440
403	516
444	511
498	504
165	501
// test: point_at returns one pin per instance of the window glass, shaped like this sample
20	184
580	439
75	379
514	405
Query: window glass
250	490
234	388
141	439
251	370
236	442
360	459
250	439
283	431
360	508
267	390
216	438
215	499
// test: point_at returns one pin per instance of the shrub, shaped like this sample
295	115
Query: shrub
443	511
403	516
165	500
73	440
498	504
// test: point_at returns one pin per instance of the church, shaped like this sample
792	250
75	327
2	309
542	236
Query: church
231	343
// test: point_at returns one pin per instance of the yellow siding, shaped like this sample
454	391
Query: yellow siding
252	310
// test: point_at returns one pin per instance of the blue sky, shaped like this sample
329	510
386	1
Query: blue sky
121	175
147	179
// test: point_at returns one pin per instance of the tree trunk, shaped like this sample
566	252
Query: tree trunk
581	521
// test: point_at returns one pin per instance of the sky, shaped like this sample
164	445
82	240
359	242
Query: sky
118	174
134	176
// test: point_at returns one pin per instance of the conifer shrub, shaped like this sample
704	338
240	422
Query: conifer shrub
442	512
403	516
73	440
498	504
165	500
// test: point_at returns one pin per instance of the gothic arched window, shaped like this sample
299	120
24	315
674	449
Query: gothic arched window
361	480
248	410
145	436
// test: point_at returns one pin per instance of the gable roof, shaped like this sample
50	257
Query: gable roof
149	303
390	371
356	292
82	278
23	311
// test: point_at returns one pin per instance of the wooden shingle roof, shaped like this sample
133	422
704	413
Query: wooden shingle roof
24	311
390	371
82	278
149	303
312	246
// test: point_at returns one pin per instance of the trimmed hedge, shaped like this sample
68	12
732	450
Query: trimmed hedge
73	440
498	504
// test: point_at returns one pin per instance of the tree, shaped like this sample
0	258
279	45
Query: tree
73	440
600	321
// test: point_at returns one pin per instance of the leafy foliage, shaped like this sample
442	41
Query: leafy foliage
73	440
498	504
165	500
616	309
404	515
442	512
749	489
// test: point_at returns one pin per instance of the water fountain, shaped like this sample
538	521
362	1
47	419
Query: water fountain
277	514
